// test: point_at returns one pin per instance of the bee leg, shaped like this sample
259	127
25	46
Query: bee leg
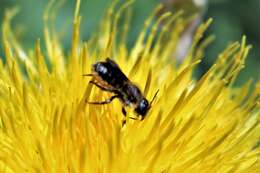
104	102
100	87
133	118
124	120
87	75
124	111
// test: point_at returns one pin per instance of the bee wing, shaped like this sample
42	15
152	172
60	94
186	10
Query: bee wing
117	69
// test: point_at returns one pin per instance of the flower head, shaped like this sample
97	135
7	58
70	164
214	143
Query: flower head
204	125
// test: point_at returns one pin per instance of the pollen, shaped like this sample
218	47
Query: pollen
194	125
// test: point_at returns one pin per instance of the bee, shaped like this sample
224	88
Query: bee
107	76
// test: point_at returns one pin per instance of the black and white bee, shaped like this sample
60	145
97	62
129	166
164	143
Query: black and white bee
107	76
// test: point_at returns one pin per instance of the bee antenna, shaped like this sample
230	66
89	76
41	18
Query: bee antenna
87	75
154	96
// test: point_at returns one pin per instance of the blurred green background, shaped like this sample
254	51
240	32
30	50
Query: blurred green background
232	19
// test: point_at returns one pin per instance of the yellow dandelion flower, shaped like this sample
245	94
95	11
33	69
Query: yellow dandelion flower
204	125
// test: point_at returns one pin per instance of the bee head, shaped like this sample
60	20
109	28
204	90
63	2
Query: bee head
142	107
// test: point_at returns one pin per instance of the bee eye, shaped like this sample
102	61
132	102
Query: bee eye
142	107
